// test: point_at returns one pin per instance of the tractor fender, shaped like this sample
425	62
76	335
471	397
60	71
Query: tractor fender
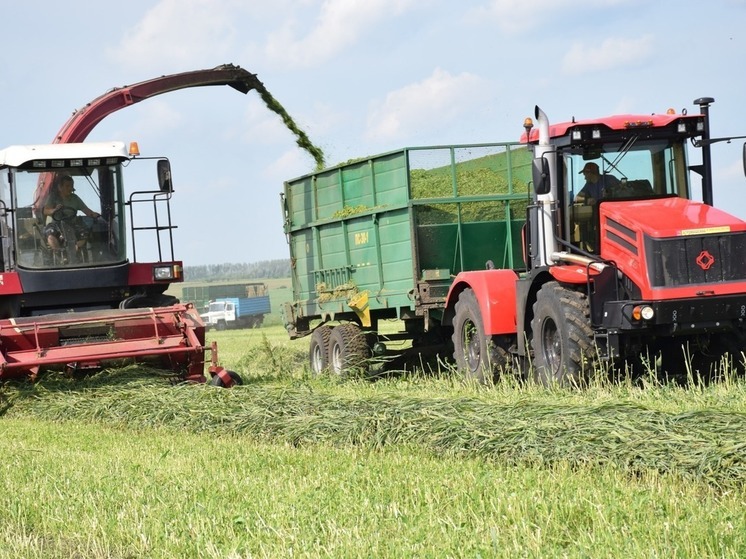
572	273
495	291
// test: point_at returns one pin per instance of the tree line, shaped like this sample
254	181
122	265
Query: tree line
264	269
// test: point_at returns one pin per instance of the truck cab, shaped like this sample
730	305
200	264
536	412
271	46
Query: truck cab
220	314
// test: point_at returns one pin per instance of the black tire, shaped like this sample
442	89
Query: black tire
562	337
478	356
142	301
221	325
348	350
318	352
235	377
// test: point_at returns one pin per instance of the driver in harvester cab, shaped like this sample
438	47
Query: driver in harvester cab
64	204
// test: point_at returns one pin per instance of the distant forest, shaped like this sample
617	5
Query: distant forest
265	269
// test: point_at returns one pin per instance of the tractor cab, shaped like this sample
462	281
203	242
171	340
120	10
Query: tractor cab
617	167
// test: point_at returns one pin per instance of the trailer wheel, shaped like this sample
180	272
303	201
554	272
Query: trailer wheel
218	380
478	356
562	338
318	351
348	350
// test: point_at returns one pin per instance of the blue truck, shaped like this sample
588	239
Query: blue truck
237	312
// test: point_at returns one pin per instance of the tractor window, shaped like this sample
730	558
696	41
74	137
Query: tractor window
69	217
633	170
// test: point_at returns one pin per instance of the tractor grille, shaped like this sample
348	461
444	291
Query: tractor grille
695	260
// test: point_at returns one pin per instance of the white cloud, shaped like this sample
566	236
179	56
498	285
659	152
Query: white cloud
340	23
182	33
292	163
612	53
435	100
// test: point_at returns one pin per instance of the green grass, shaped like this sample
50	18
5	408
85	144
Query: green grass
70	491
123	464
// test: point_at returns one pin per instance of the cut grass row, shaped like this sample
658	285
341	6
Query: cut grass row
705	445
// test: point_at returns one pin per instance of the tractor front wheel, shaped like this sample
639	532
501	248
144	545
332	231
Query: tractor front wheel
562	338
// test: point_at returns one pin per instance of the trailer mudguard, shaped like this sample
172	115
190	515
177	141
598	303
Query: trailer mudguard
495	291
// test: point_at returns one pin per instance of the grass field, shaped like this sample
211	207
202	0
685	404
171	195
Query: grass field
123	464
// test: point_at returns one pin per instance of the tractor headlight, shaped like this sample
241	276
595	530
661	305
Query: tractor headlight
643	312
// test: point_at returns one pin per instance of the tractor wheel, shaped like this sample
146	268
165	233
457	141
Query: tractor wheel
318	352
348	350
235	380
562	338
478	356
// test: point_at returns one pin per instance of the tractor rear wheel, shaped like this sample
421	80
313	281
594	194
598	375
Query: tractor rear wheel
562	338
478	356
318	351
348	350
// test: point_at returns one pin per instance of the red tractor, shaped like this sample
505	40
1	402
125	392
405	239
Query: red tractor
69	295
623	266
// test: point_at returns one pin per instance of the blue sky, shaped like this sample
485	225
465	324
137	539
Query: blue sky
360	77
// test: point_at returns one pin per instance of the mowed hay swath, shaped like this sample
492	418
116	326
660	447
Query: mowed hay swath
706	445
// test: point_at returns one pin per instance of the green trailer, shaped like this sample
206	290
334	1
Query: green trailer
384	236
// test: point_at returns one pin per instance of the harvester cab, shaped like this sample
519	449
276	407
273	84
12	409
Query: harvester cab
65	234
70	296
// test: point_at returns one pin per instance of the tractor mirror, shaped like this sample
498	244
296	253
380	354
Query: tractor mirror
164	176
540	175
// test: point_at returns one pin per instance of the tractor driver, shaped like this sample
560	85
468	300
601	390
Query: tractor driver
63	196
597	186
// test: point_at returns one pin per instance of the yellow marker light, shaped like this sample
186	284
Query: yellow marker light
670	112
134	149
528	123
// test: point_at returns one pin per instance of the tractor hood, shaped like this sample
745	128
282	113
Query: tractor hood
674	248
671	217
